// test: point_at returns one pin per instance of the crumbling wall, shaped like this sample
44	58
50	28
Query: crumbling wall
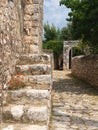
86	68
11	28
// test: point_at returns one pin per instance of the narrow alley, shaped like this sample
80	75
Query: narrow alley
74	103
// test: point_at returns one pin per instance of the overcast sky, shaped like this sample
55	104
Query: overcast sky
53	13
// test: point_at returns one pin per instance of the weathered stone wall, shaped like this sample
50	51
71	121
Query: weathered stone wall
86	68
50	52
21	26
11	28
33	25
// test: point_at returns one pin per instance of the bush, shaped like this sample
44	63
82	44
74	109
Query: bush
77	51
56	46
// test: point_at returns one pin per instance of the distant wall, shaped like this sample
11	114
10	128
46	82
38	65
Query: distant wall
86	68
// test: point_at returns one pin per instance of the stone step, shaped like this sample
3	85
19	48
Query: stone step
34	59
26	114
43	82
35	69
23	127
28	96
38	81
39	86
41	79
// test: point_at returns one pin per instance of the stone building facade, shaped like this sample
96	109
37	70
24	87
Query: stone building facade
11	28
22	59
21	26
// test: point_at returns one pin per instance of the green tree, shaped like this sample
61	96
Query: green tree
57	47
84	18
66	33
53	40
51	32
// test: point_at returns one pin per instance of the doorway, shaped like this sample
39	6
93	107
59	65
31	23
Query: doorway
70	58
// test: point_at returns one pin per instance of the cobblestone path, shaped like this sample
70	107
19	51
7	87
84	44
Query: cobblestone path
75	104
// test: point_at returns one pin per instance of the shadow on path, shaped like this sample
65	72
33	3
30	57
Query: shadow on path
75	103
69	83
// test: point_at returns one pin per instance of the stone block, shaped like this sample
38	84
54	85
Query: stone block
25	114
17	112
29	9
23	127
33	17
35	127
27	94
37	114
9	127
36	24
34	59
28	40
31	32
28	24
38	79
15	95
38	94
35	69
28	1
36	40
35	1
34	49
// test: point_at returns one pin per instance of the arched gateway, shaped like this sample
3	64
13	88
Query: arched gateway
68	54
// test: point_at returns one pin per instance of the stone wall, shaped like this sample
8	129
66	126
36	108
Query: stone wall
11	28
86	68
21	26
33	25
50	52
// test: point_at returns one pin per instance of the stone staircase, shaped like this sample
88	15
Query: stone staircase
29	108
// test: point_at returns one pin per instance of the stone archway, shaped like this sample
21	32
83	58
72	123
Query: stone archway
68	54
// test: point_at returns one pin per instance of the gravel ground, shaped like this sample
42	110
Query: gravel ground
74	103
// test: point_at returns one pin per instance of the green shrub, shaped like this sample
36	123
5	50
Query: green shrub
55	45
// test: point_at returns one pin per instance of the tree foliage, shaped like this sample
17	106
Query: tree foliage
53	41
51	32
54	37
66	33
84	18
55	45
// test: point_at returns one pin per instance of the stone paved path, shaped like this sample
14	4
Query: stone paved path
75	104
